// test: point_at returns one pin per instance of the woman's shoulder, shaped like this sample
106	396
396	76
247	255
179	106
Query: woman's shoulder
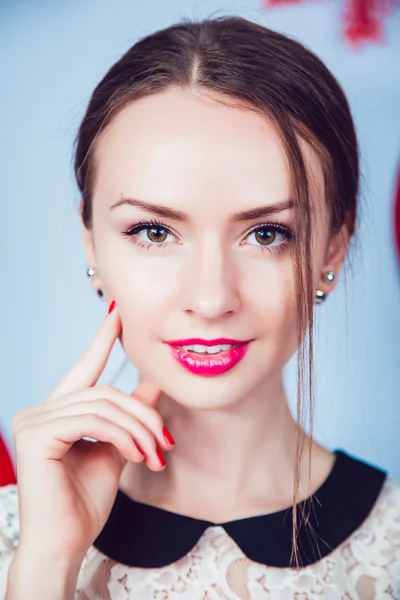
387	506
391	491
374	544
371	494
377	541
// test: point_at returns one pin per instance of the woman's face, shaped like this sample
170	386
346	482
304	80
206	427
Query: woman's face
211	273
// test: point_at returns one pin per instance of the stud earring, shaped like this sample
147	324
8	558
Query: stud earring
320	296
329	276
90	272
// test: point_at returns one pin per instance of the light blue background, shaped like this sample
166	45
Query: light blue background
53	53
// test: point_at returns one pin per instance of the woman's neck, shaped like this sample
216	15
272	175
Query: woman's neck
229	463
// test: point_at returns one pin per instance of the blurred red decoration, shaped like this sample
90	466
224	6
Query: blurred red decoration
7	472
362	19
397	215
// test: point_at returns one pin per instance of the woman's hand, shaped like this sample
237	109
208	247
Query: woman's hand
67	485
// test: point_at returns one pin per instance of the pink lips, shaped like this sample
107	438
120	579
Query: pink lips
208	364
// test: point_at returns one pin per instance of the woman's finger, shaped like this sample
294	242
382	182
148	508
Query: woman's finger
133	407
87	370
52	439
148	392
107	409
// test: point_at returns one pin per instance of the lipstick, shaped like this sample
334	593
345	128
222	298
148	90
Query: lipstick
209	364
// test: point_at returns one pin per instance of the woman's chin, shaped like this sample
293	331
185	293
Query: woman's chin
192	398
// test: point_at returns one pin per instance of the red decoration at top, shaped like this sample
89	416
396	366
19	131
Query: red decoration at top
362	18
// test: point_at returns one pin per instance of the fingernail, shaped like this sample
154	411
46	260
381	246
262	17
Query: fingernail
111	307
139	448
168	437
161	457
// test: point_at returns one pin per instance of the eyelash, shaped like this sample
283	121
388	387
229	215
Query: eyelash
277	227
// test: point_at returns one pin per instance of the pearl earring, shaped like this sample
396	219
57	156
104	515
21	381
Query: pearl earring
90	273
330	276
320	296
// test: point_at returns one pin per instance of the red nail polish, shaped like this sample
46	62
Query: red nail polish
139	448
111	307
161	458
168	437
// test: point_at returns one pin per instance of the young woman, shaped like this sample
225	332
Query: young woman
218	169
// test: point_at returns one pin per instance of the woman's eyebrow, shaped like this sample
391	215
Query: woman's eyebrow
262	211
156	209
178	215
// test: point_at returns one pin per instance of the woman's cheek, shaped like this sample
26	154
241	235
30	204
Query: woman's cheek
137	331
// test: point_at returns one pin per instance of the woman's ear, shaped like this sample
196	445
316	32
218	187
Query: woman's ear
88	246
335	255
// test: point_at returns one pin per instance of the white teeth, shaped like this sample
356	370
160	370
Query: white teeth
201	349
213	349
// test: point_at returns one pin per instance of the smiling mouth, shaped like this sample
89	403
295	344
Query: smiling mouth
208	360
208	350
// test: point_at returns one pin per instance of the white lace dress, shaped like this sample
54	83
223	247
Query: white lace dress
148	553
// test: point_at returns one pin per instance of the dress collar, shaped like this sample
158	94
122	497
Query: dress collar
141	535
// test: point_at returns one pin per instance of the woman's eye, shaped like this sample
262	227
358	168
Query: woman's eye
155	234
271	235
148	233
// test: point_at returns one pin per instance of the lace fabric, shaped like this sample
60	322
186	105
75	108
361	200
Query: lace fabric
366	566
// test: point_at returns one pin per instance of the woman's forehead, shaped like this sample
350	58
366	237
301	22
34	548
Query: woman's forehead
179	146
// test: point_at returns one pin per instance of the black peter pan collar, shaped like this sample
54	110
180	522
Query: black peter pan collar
140	535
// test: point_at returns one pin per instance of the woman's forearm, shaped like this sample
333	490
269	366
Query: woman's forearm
37	576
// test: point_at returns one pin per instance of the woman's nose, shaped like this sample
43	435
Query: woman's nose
209	287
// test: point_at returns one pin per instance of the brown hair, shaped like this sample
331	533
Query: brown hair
282	80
